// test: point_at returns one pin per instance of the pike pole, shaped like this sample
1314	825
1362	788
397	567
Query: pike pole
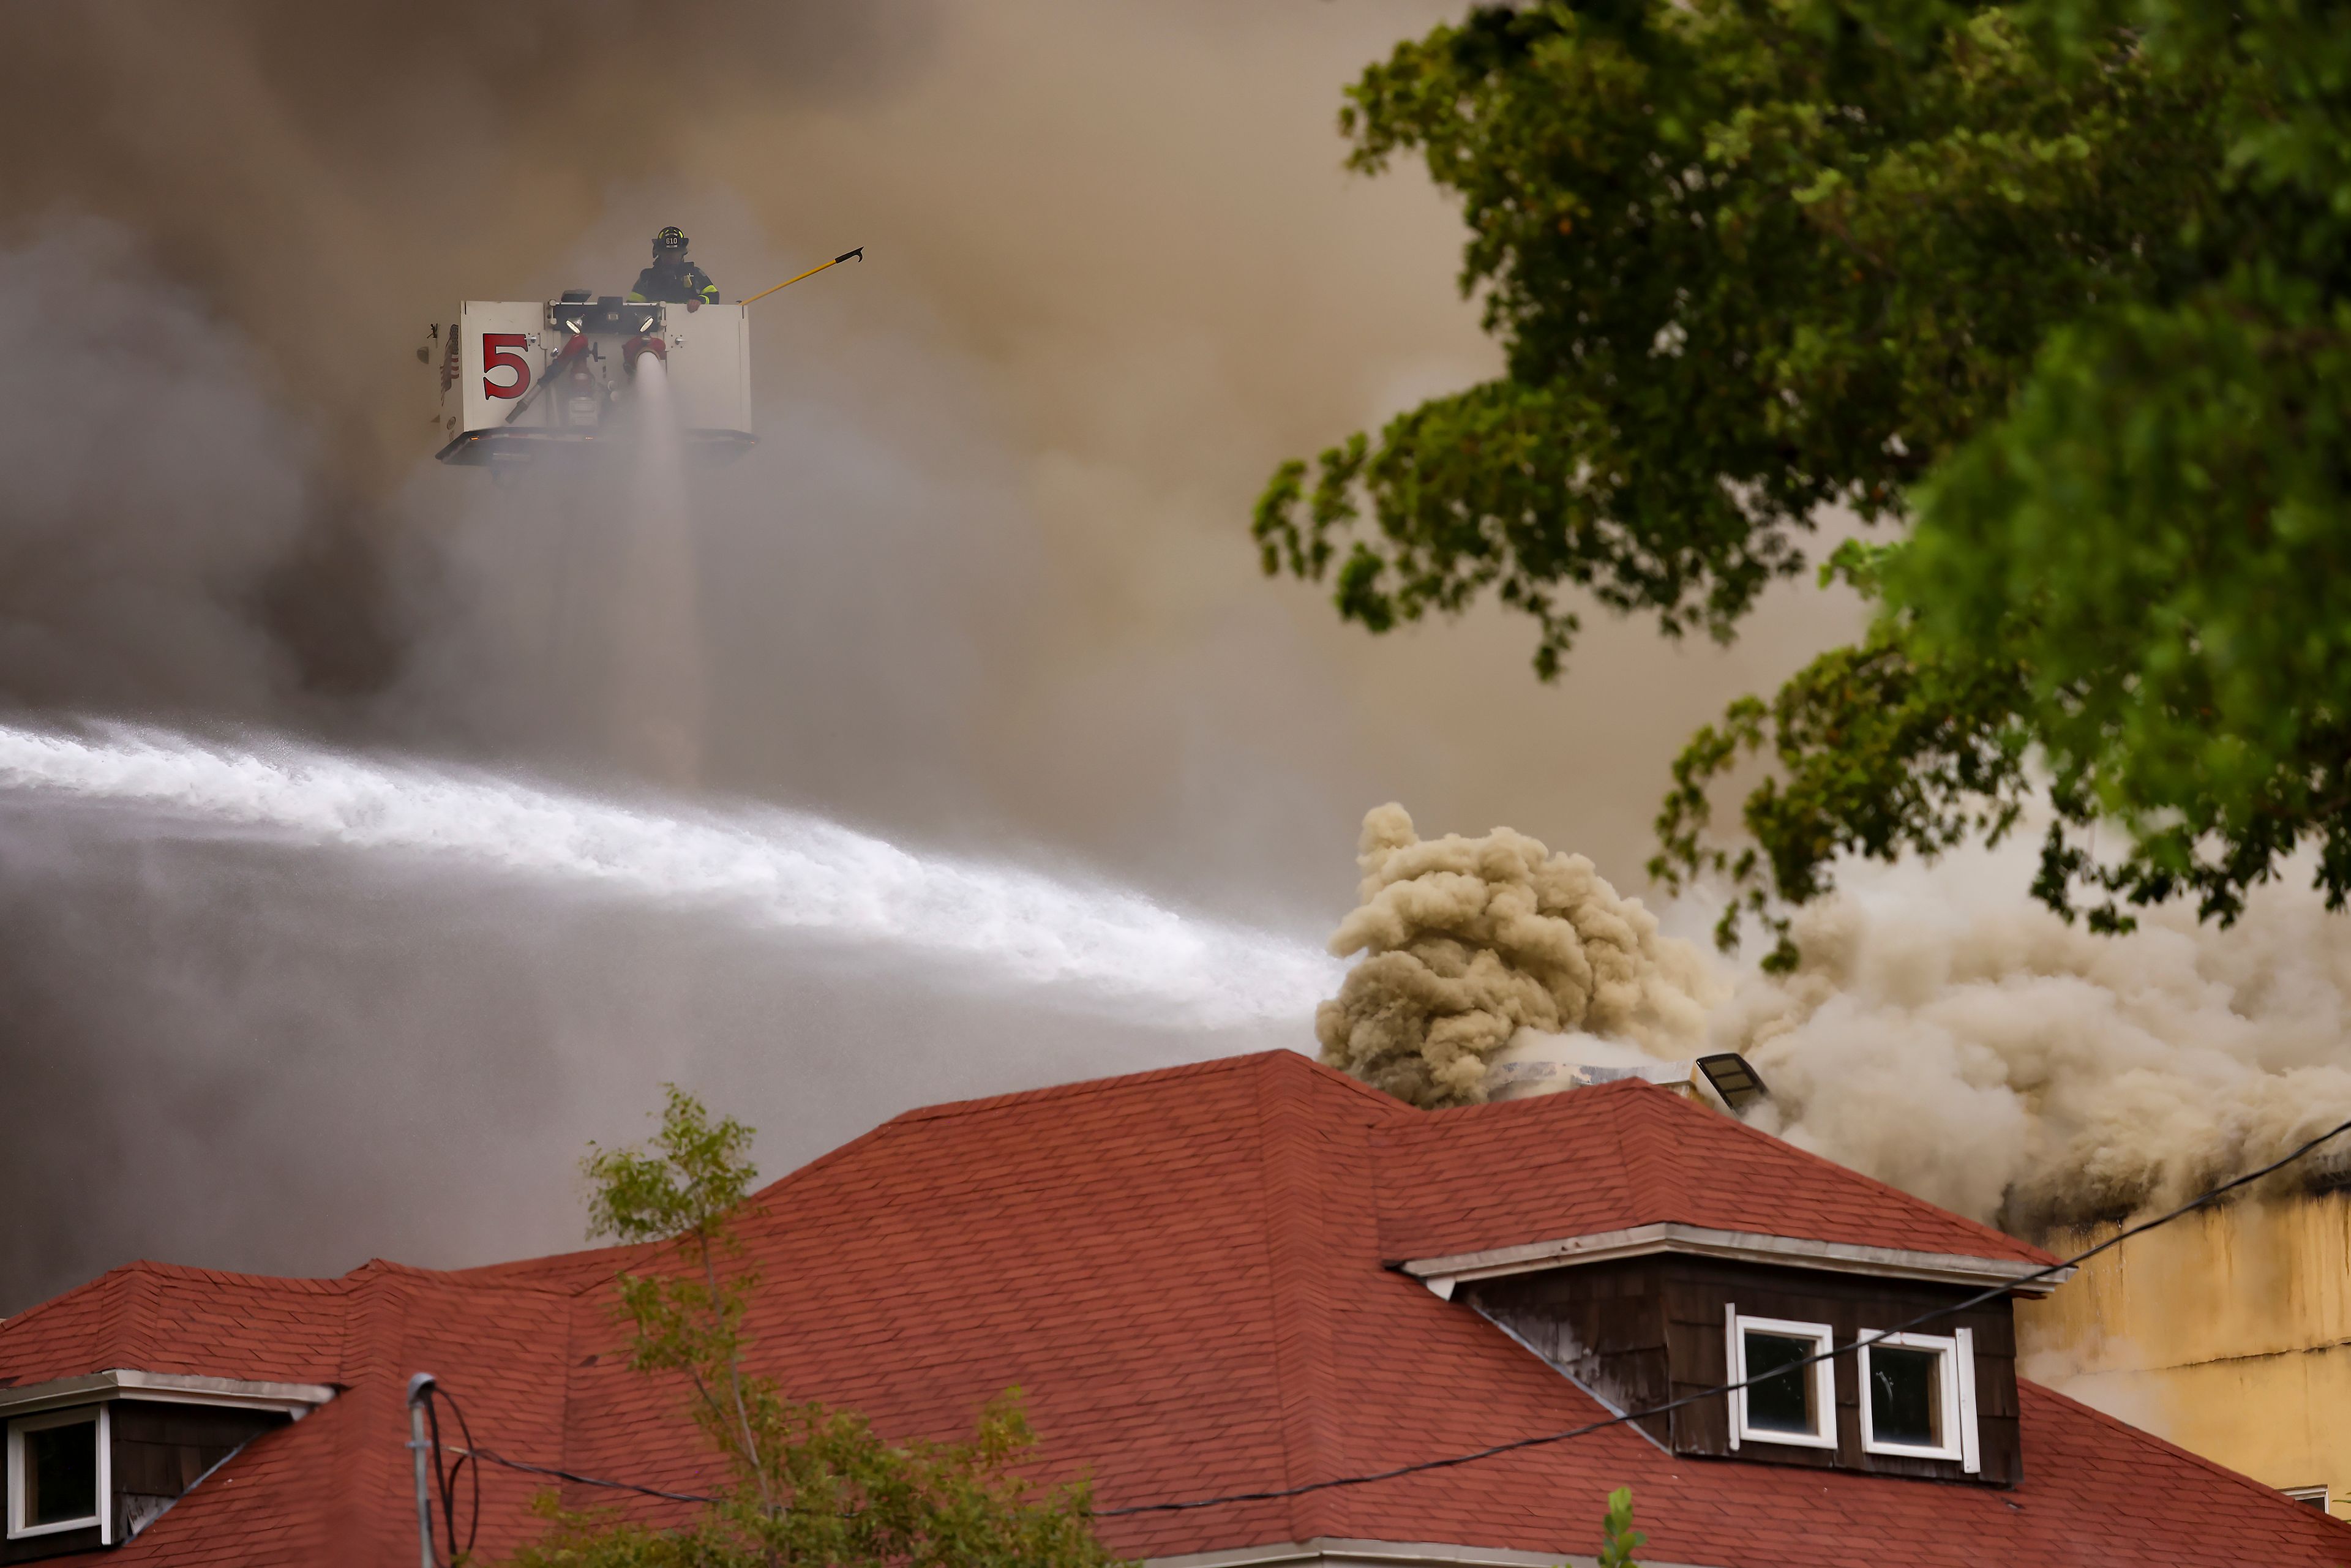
859	255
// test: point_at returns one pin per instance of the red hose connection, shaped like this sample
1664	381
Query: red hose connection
646	343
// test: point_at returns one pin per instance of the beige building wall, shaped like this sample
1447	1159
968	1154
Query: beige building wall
2227	1333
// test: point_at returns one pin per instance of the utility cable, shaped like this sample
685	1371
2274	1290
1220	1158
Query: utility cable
1450	1460
445	1475
500	1459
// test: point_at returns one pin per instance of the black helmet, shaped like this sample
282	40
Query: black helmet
669	241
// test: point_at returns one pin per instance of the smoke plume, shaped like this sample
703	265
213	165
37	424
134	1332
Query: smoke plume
983	588
1468	941
1948	1035
1942	1033
138	555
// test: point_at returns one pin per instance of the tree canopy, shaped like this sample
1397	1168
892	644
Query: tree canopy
2061	287
806	1483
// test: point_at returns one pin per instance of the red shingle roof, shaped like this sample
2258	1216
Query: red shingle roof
1184	1272
1627	1154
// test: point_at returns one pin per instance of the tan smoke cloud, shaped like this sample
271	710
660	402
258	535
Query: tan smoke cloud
1468	941
986	581
1950	1036
1943	1033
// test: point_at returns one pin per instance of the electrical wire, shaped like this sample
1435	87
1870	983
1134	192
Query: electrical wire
1473	1455
1450	1461
445	1477
588	1480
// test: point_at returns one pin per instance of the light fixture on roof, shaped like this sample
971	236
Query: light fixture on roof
1731	1077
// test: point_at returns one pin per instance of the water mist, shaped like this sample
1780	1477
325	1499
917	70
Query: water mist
657	697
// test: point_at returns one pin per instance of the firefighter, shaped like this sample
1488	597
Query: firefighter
672	278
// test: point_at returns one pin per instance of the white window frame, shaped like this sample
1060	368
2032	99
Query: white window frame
2312	1497
17	1504
1736	1327
1956	1371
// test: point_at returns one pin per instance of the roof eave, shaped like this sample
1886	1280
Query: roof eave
295	1400
1443	1273
1333	1552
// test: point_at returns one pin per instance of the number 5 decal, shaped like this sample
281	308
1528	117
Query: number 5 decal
495	357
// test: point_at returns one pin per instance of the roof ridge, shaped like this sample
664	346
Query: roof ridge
1672	1105
1380	1097
315	1284
979	1105
122	1319
916	1115
1628	1148
756	1202
1079	1086
590	1281
951	1109
379	1300
1888	1189
1621	1171
1294	1138
308	1283
10	1324
376	1268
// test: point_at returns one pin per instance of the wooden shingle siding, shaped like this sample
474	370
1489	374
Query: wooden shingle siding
159	1449
1642	1332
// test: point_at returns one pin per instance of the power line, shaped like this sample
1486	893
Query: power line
1451	1460
434	1396
479	1456
500	1459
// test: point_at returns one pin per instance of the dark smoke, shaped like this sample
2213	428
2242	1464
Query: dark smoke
985	584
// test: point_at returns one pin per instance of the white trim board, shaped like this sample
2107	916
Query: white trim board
1441	1274
1820	1374
1337	1552
1955	1374
102	1482
296	1399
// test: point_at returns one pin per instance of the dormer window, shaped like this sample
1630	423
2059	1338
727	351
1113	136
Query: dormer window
57	1473
1642	1331
93	1459
1786	1400
1918	1396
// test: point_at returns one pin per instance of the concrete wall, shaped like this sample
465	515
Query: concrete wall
2227	1333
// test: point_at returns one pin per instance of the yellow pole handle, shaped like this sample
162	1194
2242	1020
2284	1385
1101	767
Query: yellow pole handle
859	254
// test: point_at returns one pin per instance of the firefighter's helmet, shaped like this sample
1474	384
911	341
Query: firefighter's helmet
671	241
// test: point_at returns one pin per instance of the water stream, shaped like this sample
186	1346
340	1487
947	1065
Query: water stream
1098	945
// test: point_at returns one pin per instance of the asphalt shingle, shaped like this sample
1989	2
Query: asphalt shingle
1183	1272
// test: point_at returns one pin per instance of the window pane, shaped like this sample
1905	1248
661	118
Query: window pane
1906	1396
61	1473
1782	1403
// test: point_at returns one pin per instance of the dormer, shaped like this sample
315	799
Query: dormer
1649	1250
91	1461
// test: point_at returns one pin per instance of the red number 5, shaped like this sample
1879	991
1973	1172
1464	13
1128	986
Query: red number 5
495	357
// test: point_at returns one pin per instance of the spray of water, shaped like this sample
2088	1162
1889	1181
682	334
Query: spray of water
1097	945
657	700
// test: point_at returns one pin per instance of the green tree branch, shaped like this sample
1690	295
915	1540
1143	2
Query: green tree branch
2061	285
809	1484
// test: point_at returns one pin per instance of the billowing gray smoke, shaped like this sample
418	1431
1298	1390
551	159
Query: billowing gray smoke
1942	1033
152	491
985	586
1952	1038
